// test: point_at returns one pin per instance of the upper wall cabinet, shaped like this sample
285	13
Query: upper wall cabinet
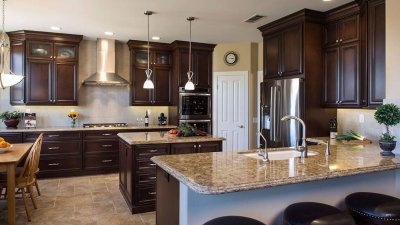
49	62
283	50
160	64
201	63
354	55
342	58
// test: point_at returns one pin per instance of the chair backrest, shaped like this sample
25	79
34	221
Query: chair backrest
31	163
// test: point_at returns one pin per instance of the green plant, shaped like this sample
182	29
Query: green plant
11	115
388	115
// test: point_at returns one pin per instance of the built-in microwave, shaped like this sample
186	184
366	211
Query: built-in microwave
195	105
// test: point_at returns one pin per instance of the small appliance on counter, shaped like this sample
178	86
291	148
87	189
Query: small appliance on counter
162	120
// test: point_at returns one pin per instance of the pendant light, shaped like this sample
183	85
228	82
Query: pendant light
7	77
148	84
189	84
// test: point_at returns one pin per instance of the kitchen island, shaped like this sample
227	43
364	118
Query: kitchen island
137	174
235	184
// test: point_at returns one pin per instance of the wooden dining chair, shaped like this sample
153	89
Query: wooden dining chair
26	178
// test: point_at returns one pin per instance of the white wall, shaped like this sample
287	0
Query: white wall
96	104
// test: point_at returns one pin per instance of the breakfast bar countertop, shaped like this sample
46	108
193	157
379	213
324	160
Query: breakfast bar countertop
136	138
80	128
225	172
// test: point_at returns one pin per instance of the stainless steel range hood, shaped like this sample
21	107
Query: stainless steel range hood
105	74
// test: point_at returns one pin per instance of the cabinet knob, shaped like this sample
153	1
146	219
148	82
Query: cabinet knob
337	41
341	40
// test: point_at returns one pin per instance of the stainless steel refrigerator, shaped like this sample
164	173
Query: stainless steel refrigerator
279	98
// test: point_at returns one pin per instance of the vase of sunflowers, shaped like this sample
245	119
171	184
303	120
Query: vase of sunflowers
74	116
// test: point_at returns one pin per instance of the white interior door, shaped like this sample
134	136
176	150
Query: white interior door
231	110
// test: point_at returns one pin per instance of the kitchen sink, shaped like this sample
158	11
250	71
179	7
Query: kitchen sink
280	155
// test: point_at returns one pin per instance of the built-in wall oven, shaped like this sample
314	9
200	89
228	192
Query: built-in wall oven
195	108
195	105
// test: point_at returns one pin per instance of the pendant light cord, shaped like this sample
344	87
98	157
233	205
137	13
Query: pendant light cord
190	46
148	43
3	37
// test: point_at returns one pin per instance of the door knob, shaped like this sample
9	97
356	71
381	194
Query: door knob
241	126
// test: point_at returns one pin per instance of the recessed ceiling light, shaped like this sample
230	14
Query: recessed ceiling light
155	38
326	0
55	28
109	33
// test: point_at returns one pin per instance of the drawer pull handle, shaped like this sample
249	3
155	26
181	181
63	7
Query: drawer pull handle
106	146
152	178
153	164
152	193
106	160
53	148
153	150
54	135
106	134
53	164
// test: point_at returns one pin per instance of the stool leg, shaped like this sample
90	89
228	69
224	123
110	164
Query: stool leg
37	188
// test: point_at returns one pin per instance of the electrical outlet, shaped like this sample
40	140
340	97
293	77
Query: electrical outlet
361	118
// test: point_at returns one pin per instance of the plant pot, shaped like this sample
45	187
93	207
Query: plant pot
11	123
387	147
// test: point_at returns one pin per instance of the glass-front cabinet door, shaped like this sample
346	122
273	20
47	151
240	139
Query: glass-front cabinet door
162	58
141	57
40	50
65	52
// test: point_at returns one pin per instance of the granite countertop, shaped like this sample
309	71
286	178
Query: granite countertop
79	128
162	138
225	172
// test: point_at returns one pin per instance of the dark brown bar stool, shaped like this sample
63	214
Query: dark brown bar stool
233	220
312	213
373	208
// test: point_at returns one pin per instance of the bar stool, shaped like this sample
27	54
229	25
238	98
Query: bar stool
312	213
374	208
233	220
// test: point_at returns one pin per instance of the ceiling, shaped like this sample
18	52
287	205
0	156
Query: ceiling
219	21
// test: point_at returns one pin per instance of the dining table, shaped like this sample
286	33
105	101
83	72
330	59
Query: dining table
9	160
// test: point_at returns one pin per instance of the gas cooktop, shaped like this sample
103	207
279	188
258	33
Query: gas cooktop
89	125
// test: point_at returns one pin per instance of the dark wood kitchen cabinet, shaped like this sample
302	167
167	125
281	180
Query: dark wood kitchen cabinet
160	64
12	137
342	58
49	62
283	52
137	173
376	51
201	63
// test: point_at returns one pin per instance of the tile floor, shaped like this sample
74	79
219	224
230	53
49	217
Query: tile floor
88	200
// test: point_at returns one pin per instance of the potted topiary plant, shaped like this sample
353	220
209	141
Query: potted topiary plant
388	115
11	119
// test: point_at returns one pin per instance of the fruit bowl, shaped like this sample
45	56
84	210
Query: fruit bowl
2	150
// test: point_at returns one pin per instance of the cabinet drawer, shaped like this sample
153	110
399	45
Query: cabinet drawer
145	194
59	164
104	134
61	147
148	151
52	136
101	161
100	146
145	166
148	178
12	137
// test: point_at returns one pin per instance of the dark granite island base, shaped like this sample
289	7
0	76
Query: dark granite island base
137	174
234	184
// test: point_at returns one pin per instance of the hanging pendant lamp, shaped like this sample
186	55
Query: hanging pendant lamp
148	84
7	77
189	84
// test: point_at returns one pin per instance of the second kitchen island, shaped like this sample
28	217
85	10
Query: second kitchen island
137	174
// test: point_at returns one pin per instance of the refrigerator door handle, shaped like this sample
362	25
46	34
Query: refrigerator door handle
274	120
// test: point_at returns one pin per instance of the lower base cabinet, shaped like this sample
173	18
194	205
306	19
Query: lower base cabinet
138	174
167	208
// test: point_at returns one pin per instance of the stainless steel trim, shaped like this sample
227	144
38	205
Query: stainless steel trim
194	94
53	164
53	148
106	160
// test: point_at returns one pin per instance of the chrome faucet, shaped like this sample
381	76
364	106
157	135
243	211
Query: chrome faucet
320	142
265	153
303	147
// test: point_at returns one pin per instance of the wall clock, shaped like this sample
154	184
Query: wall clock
230	58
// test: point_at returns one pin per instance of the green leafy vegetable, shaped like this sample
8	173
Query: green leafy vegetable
350	135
